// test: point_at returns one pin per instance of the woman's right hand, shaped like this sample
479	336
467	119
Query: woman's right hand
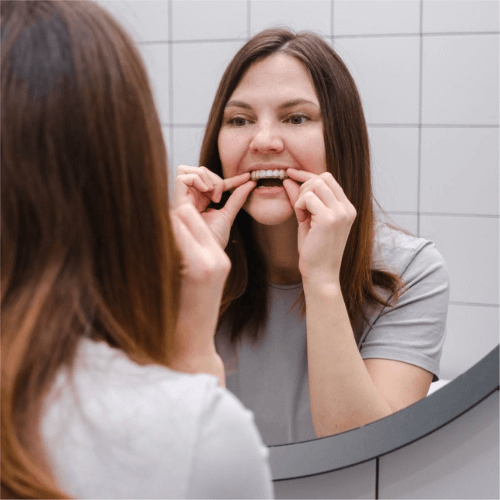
199	186
204	270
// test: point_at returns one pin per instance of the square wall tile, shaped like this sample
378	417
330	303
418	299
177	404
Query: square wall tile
145	20
469	246
357	481
156	59
472	333
197	70
374	17
386	71
313	15
459	171
209	19
460	80
460	16
394	155
187	144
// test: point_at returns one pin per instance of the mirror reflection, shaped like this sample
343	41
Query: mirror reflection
331	318
267	367
433	139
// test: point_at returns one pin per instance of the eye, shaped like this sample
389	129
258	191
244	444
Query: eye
298	119
238	121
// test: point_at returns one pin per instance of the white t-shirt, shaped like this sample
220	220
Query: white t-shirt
270	376
120	430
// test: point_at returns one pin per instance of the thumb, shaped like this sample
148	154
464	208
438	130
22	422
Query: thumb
237	200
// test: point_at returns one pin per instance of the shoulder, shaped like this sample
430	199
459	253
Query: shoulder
406	255
130	422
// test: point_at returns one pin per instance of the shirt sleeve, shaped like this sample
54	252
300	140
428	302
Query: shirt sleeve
414	331
230	459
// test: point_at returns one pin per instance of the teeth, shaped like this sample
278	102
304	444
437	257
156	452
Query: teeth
268	174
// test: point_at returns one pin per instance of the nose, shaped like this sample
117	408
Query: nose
267	139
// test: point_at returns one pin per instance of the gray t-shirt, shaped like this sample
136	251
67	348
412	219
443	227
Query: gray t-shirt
270	377
121	430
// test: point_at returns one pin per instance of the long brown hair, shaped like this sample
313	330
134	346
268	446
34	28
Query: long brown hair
244	303
87	245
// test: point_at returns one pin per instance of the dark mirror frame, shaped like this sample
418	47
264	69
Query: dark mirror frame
308	458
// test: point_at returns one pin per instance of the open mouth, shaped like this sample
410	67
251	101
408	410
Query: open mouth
269	178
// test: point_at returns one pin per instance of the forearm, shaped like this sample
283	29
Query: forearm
192	348
342	393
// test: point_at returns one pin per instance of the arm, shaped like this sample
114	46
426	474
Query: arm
345	391
205	267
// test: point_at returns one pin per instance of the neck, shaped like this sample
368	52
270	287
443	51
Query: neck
278	245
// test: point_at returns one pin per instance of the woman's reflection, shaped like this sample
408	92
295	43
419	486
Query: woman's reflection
331	318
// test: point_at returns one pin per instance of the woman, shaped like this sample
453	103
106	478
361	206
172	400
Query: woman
110	378
287	130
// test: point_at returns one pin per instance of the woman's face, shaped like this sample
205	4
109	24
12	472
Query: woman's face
272	121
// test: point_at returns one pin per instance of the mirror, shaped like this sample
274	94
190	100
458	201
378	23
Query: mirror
432	121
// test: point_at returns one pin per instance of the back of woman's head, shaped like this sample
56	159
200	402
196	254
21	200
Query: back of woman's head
87	247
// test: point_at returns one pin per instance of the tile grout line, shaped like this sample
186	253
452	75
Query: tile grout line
249	18
332	10
472	304
419	154
171	80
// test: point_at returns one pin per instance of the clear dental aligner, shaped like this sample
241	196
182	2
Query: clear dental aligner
268	174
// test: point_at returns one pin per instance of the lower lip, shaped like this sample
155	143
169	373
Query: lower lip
269	191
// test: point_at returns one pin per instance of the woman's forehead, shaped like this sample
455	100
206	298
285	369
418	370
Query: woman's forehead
279	76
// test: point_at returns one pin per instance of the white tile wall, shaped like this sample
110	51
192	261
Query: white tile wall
386	71
314	15
146	20
445	82
156	57
394	153
460	16
366	17
469	246
405	221
460	80
187	144
459	171
472	334
197	68
214	19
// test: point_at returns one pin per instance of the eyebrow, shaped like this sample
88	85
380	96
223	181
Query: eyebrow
285	105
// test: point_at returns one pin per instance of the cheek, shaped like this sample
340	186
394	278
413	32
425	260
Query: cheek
230	153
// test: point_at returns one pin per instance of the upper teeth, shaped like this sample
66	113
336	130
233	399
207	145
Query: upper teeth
268	174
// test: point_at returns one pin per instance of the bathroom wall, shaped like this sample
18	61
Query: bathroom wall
428	74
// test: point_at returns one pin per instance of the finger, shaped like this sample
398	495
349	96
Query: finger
237	200
300	175
322	191
184	239
332	183
292	189
201	172
195	224
192	180
237	180
308	204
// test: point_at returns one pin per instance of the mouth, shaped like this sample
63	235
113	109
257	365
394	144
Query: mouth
269	178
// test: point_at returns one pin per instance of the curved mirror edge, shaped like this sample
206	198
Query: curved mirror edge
365	443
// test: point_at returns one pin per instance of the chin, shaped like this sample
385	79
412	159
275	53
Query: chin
270	213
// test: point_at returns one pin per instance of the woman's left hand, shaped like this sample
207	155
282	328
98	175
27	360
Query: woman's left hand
325	217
